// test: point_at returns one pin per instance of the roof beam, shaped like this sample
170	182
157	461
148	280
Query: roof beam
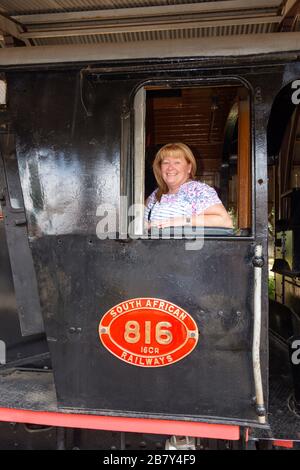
224	7
115	28
12	29
291	16
288	4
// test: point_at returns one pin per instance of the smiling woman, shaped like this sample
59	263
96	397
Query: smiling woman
206	180
179	199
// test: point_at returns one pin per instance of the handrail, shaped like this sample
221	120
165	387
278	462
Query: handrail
258	263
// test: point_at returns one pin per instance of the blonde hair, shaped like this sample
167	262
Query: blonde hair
173	149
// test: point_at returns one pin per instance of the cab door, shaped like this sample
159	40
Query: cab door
79	168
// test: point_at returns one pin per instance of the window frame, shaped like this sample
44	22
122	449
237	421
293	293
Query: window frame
138	109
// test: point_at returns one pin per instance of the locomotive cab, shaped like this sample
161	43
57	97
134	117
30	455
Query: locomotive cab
163	332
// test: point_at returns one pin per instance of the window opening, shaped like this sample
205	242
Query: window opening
214	122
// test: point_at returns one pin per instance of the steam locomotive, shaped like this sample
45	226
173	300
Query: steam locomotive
113	337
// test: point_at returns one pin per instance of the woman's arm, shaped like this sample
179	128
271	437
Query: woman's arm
215	216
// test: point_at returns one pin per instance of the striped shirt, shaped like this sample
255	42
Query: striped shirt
192	198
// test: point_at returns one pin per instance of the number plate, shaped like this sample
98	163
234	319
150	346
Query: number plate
147	332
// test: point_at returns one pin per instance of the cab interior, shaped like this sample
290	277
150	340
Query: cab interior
214	121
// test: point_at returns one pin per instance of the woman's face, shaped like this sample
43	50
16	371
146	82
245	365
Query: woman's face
175	170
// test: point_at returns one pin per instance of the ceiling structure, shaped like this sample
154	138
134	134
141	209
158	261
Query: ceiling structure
30	23
196	116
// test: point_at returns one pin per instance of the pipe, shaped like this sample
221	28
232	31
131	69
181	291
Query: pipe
258	263
228	46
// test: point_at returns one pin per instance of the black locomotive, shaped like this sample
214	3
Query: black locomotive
78	135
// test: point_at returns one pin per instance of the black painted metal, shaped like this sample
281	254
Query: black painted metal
29	351
284	421
210	379
19	436
68	150
31	320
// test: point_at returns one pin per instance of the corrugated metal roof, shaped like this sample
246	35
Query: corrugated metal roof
17	7
59	22
160	35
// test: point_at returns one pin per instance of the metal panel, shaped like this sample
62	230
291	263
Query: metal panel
19	350
23	272
13	7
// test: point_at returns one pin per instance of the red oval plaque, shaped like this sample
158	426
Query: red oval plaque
148	332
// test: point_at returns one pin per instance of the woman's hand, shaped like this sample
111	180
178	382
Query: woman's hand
172	222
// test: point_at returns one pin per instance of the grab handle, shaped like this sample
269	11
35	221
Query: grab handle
258	262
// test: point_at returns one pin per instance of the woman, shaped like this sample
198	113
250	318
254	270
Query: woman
179	199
